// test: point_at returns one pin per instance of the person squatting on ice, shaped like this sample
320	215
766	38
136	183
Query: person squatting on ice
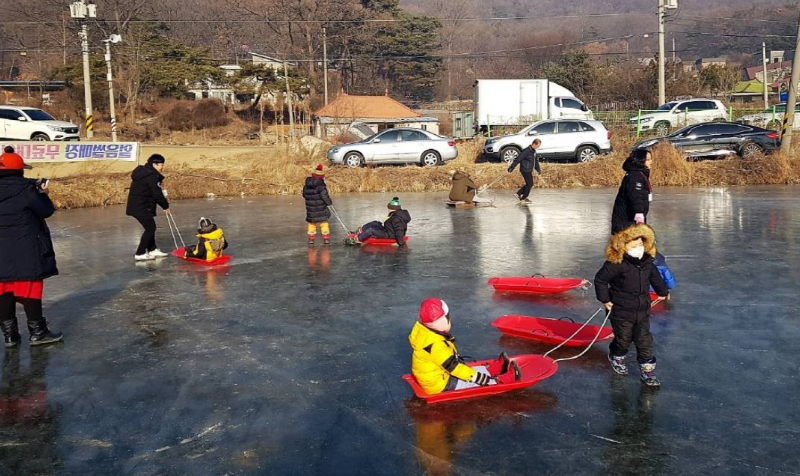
463	189
317	198
528	161
211	242
26	251
623	286
635	192
394	226
146	191
435	362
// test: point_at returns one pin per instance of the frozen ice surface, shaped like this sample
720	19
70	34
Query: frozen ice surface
289	360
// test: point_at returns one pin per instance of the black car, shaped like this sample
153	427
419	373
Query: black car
719	139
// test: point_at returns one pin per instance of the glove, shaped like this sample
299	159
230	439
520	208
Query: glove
510	169
481	379
639	218
483	188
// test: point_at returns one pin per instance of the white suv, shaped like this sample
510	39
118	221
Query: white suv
28	123
679	114
578	140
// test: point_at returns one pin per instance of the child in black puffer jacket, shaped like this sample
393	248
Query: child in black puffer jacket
315	192
623	286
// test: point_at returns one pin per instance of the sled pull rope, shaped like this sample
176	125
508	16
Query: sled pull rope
487	187
339	218
171	223
576	332
602	326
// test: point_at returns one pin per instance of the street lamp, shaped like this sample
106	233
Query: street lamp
112	39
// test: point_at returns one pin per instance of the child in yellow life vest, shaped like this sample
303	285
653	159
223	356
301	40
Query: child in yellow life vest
211	242
435	363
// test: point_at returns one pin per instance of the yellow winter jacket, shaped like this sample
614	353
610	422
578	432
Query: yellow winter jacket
435	359
212	245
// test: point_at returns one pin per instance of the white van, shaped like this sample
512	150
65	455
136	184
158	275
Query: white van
28	123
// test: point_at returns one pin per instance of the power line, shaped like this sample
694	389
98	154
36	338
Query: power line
756	20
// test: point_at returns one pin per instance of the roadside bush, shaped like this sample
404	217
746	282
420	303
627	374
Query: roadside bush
195	115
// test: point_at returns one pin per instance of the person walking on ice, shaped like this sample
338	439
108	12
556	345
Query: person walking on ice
317	198
528	161
623	286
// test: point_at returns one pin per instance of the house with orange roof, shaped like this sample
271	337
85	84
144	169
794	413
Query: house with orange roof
378	113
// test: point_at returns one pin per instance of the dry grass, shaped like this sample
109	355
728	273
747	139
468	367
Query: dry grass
283	172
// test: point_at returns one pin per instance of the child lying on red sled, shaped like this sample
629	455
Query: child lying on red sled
435	363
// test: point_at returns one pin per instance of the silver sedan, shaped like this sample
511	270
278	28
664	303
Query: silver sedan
396	146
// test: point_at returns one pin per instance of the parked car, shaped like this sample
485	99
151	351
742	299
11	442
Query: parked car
578	140
396	146
719	139
28	123
769	118
679	114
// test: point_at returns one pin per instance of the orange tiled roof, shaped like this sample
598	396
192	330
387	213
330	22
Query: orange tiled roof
378	107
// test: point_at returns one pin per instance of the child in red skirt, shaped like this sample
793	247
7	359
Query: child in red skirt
26	251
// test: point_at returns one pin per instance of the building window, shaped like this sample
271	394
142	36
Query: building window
424	127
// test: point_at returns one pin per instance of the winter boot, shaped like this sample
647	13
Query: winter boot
41	335
11	333
351	241
499	366
311	239
618	364
326	239
514	374
649	375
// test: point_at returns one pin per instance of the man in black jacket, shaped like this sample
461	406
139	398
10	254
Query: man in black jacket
144	195
635	192
528	161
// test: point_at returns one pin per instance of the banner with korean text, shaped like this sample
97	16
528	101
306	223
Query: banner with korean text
47	152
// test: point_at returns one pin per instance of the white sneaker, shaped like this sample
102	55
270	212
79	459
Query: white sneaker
157	253
144	257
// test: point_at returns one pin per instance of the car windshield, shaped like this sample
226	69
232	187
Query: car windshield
38	115
369	139
681	132
666	107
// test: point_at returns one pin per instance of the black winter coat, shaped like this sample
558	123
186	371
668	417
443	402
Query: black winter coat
627	285
315	192
26	250
633	197
397	225
528	161
145	192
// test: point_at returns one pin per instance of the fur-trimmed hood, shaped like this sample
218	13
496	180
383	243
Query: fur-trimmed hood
615	250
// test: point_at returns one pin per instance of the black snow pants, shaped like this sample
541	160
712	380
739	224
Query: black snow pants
526	189
636	331
148	241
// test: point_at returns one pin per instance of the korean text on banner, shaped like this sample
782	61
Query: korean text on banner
46	152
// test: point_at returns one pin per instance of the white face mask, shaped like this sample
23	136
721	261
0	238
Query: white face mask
637	252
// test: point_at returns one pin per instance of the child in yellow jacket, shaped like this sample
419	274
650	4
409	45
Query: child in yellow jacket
435	363
211	242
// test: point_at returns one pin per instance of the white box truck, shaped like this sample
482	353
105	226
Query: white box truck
521	102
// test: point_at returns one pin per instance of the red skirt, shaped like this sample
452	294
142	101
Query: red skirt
23	289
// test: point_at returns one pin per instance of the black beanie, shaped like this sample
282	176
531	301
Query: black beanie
8	149
156	159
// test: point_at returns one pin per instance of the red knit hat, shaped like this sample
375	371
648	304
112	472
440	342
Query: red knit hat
432	309
318	171
11	161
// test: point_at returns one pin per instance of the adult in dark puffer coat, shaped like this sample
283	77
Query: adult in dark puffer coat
315	193
635	192
27	257
144	195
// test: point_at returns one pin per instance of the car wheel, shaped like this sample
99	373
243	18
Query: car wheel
775	126
750	149
662	128
586	153
430	158
353	160
40	137
509	154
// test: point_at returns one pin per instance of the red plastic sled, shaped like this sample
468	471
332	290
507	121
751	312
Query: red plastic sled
535	368
551	331
372	241
536	284
217	262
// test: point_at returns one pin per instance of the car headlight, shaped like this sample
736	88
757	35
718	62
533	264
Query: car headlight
642	120
647	144
491	141
335	150
56	128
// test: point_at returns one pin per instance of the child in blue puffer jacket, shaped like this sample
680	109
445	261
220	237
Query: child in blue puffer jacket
666	274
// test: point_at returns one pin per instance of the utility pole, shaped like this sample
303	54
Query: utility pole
764	77
81	11
289	101
325	60
674	59
662	90
788	117
112	39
